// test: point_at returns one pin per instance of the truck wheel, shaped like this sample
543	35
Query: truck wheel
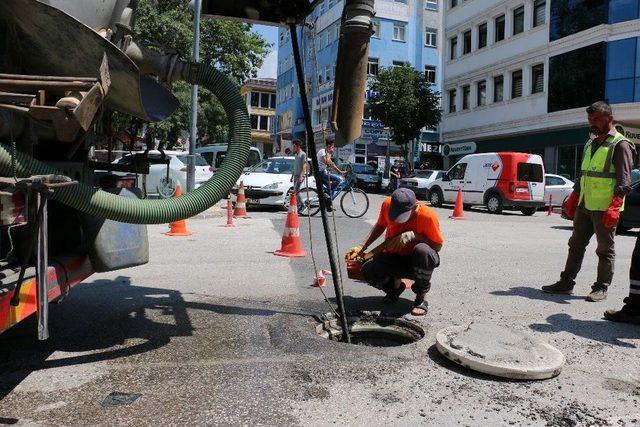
494	203
435	197
528	211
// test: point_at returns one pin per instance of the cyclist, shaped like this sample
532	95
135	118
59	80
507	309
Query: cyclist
332	181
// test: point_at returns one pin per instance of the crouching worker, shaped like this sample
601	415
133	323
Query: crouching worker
413	240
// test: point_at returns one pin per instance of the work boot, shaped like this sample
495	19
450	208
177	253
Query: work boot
560	287
598	293
627	314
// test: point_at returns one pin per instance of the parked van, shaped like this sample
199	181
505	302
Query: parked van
495	180
214	154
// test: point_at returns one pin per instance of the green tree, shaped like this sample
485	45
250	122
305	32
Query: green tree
228	45
405	102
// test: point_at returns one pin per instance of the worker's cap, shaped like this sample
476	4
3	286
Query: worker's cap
402	202
297	142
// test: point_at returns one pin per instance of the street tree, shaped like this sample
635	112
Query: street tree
228	45
404	101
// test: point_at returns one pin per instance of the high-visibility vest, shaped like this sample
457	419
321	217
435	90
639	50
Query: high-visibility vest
598	174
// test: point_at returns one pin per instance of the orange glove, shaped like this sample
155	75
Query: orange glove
571	204
612	215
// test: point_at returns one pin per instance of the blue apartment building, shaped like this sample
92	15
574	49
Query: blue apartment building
406	32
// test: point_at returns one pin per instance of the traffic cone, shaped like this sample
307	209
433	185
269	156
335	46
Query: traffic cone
229	214
291	244
550	205
458	210
321	279
179	227
241	203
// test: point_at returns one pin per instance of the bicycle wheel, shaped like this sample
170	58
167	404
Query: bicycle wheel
308	202
354	203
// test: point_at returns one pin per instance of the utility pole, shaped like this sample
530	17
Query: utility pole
195	57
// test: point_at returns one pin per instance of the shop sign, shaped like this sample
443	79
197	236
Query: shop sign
459	149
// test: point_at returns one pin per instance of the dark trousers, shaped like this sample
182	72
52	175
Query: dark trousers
585	224
383	268
634	277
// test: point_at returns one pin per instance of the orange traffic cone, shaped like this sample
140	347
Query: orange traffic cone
241	203
229	214
458	210
179	227
550	205
291	244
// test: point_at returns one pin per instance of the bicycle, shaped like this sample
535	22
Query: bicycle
354	202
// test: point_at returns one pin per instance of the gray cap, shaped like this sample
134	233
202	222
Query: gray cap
402	202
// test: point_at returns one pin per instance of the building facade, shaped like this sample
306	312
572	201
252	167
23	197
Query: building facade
406	32
260	97
518	75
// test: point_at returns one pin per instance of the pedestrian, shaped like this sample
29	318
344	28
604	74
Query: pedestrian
299	172
630	311
394	176
331	180
596	201
414	236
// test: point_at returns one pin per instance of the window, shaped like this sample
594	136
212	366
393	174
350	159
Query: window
570	17
399	30
457	172
430	73
265	99
272	103
452	101
327	72
431	5
482	35
254	121
453	48
466	94
399	64
575	79
623	10
255	99
376	29
259	122
498	89
466	42
481	93
622	72
499	33
552	180
430	37
539	12
537	78
530	172
373	66
320	78
518	20
516	84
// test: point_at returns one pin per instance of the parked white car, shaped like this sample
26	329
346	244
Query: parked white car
557	186
156	182
269	182
215	154
419	181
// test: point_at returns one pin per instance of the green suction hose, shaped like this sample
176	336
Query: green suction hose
99	203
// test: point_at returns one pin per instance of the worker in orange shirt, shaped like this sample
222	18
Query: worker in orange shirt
416	239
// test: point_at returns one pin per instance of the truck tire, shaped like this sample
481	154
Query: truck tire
528	211
494	203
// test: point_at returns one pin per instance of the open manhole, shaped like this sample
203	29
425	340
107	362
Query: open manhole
371	329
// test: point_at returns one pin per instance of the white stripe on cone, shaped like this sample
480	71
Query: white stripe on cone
291	232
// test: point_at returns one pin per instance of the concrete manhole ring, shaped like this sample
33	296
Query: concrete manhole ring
500	351
371	329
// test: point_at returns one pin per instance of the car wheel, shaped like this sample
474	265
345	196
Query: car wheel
528	211
435	197
167	187
494	203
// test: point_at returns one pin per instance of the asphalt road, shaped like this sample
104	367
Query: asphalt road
217	330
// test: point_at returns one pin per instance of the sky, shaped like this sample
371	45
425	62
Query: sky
270	66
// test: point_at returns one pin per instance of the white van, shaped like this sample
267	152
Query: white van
495	180
214	154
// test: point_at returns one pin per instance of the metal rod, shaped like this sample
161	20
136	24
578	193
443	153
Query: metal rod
43	84
41	274
195	57
331	248
47	78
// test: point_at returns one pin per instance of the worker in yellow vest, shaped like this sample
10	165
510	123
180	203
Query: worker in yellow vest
596	201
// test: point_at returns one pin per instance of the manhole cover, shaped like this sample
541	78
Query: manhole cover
371	330
500	351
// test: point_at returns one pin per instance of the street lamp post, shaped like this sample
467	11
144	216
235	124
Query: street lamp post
195	57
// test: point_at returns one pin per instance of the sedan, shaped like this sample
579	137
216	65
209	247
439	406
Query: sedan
167	171
269	182
367	177
420	181
557	188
